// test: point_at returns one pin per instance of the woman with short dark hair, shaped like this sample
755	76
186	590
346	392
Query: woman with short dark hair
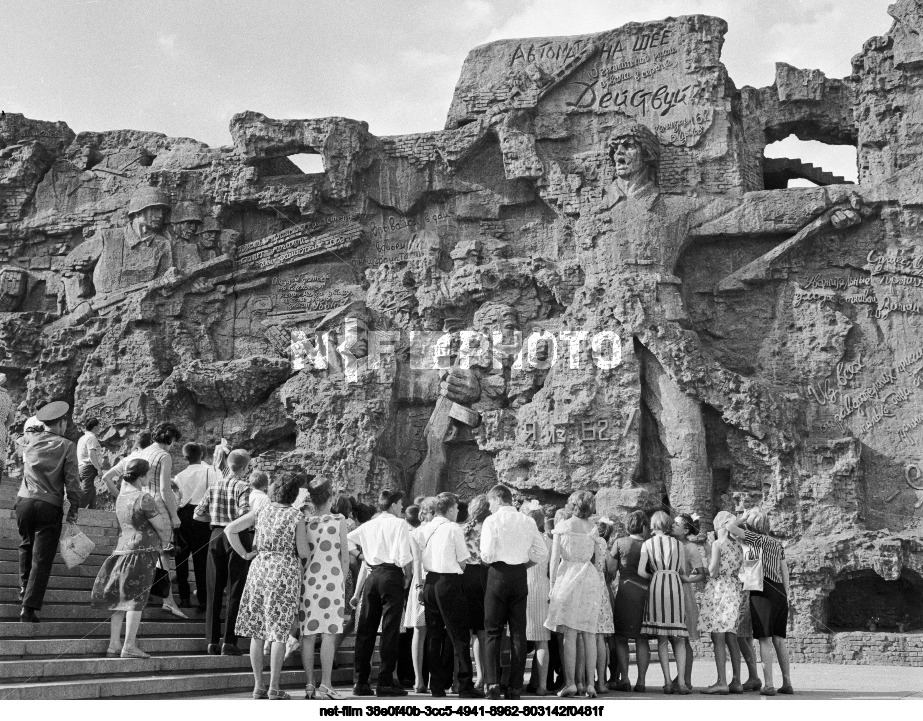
630	599
124	581
475	582
270	598
323	604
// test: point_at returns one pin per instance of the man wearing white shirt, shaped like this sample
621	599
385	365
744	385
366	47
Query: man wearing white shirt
192	536
444	555
510	543
89	463
385	544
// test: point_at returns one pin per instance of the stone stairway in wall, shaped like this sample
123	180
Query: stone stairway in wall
63	656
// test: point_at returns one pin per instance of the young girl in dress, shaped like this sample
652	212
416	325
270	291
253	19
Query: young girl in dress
721	604
684	526
665	616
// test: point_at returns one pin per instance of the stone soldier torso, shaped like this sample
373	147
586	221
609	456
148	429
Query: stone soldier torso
127	260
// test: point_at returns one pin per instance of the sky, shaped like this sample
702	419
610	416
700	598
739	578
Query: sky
184	68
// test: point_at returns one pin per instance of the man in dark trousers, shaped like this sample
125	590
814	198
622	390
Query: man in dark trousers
444	555
192	537
510	543
385	544
49	472
226	501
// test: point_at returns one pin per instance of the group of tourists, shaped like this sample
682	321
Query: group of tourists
289	561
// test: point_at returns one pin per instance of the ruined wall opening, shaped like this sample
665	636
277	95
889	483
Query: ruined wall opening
865	600
795	163
308	163
294	164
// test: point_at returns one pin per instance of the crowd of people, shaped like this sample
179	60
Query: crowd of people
471	587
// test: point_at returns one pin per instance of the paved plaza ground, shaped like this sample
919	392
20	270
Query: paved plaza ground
811	682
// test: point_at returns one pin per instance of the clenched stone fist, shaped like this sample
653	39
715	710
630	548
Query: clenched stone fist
461	385
844	218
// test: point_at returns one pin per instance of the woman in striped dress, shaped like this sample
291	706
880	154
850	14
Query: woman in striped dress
665	616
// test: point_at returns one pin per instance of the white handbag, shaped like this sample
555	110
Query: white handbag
76	546
751	573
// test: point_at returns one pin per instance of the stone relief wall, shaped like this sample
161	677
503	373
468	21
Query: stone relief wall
581	282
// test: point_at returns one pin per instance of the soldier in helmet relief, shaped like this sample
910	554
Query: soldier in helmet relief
186	219
138	253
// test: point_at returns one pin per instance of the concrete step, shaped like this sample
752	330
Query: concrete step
7	554
11	580
70	611
85	517
10	529
58	568
147	685
162	625
54	647
104	544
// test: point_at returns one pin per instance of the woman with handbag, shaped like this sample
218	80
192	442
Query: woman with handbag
721	605
124	581
768	604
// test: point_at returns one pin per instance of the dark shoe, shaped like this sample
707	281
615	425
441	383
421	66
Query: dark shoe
471	693
513	694
624	686
28	615
436	693
420	689
768	691
753	684
363	689
640	688
213	649
229	649
787	689
494	693
735	688
394	691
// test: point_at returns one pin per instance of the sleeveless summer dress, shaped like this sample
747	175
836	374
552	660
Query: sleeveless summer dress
665	614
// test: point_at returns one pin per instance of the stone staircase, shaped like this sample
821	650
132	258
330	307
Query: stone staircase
63	656
778	171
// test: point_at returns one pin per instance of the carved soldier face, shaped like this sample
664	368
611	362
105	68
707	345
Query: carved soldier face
628	158
187	229
149	220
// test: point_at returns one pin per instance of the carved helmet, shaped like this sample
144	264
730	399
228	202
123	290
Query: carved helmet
645	137
186	211
148	198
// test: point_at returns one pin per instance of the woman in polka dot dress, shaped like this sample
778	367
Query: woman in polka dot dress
322	609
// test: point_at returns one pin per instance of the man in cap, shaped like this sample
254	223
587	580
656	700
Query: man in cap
138	253
49	472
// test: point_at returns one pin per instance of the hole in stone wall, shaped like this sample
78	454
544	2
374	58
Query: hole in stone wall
308	162
855	602
794	163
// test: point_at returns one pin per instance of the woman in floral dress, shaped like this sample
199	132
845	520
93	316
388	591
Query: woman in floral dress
323	601
606	625
270	598
721	604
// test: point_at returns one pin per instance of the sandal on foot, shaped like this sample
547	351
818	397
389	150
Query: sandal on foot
134	653
328	694
716	690
568	691
260	692
310	692
277	694
174	610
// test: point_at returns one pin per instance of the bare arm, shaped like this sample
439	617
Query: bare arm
232	531
642	564
555	559
301	540
109	478
166	490
344	549
784	565
360	582
715	561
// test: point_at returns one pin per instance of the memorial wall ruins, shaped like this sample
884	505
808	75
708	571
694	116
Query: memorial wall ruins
590	278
